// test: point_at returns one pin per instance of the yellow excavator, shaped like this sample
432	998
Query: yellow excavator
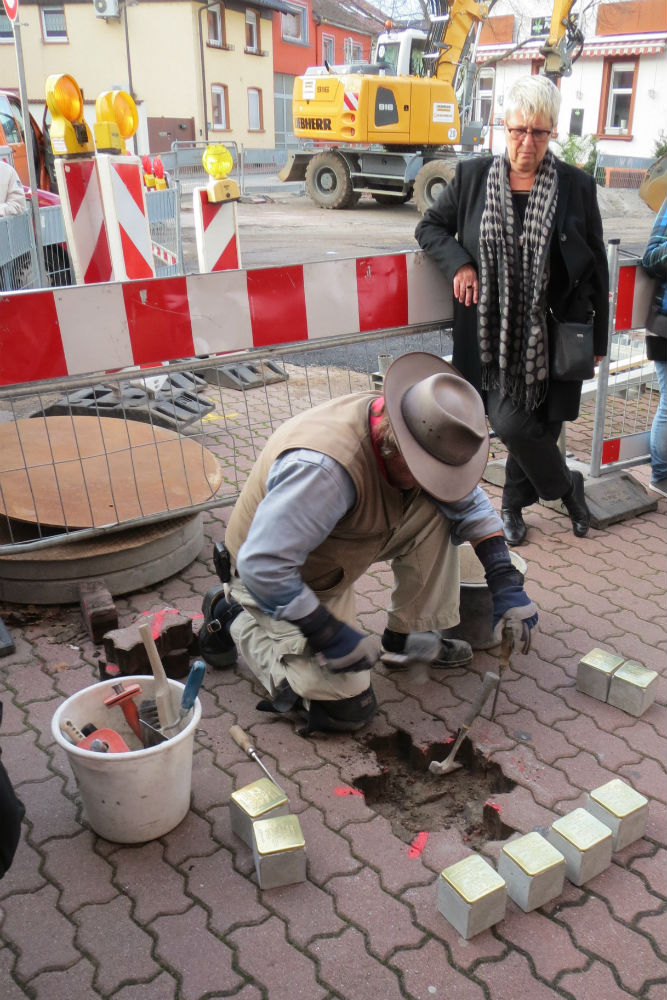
389	127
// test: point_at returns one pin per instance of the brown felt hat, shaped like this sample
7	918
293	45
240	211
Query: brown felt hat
439	424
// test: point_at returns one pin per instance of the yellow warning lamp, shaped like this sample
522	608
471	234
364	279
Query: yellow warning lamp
68	132
218	162
117	120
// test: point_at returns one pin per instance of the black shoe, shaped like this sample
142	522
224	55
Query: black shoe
215	643
453	652
344	716
575	504
514	527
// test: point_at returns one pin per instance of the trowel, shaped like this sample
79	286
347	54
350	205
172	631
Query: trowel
448	765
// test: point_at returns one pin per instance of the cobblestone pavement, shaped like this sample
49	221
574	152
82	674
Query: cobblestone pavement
183	918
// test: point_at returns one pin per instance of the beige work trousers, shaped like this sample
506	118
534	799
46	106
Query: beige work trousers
425	596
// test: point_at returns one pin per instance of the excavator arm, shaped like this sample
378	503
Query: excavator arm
565	38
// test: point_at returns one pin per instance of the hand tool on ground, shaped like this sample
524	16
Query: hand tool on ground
421	650
190	692
165	713
124	696
242	740
448	765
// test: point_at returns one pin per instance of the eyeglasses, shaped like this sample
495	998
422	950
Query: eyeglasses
519	133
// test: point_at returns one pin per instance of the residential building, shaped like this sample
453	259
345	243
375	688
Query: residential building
318	31
196	70
616	92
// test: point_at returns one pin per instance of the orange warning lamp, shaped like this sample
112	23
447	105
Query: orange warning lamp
69	133
117	120
218	162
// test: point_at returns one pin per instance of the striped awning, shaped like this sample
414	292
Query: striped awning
594	48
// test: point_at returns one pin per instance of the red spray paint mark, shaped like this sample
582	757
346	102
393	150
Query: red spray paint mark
492	805
344	790
158	618
417	845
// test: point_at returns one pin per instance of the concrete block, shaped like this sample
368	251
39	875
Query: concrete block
279	850
533	869
98	609
622	809
124	648
633	688
584	842
472	896
595	671
259	800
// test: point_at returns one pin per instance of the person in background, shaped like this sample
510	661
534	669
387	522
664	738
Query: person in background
519	235
360	479
655	262
12	195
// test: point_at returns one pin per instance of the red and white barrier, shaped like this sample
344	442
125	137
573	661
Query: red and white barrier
635	288
217	232
70	331
124	200
83	215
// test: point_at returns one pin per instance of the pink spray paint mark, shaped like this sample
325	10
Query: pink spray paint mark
418	845
345	790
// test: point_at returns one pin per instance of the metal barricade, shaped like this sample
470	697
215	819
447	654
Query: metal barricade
164	222
18	252
183	162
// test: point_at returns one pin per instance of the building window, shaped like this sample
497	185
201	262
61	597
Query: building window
8	121
6	30
483	97
352	51
619	87
255	116
294	26
219	107
215	17
328	49
251	32
54	28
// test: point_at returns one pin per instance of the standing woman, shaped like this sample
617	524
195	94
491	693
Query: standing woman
520	235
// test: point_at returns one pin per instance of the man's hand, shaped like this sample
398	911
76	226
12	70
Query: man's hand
510	601
340	648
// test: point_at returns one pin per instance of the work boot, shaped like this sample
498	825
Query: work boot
346	715
215	643
453	652
514	526
575	504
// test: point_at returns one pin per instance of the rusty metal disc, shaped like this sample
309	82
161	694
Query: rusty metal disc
82	472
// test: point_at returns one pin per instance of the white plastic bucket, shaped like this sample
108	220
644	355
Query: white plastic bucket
131	797
476	604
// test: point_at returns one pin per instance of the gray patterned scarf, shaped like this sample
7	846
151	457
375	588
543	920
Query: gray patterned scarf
513	273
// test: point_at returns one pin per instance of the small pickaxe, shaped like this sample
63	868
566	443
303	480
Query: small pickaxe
515	633
421	650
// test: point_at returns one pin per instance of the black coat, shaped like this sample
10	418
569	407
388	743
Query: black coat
579	276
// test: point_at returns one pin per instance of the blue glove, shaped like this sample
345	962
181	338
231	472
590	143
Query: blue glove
341	648
510	601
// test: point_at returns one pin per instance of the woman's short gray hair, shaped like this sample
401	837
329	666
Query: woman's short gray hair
532	96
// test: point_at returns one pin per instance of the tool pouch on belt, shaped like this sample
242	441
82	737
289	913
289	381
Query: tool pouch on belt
222	562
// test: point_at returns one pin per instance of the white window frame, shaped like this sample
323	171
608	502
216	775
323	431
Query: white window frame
57	39
219	97
7	37
300	15
615	92
484	94
252	25
328	40
256	109
215	40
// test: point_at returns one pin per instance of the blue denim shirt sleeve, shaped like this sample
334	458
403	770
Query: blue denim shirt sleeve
471	518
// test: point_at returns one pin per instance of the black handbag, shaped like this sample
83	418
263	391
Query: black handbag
570	350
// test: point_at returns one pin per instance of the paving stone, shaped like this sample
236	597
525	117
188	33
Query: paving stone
107	931
24	875
223	834
549	945
163	987
151	883
319	788
427	972
307	911
388	923
229	898
513	978
53	947
612	751
547	742
274	964
523	690
76	983
211	786
654	926
625	893
643	737
377	845
584	772
627	951
10	989
48	811
595	983
92	884
651	780
346	967
654	870
547	784
23	760
465	954
179	938
328	853
519	810
191	838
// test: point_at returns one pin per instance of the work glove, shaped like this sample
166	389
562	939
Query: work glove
340	648
511	603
